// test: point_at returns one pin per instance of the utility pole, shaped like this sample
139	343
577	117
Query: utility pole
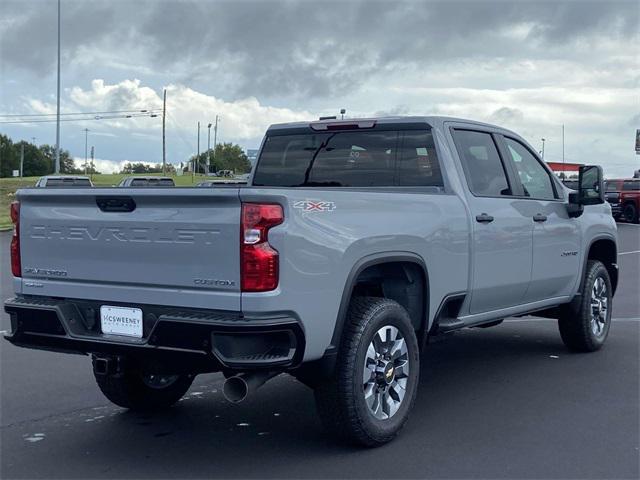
22	159
92	164
57	166
563	144
86	159
208	146
164	147
215	138
197	159
543	140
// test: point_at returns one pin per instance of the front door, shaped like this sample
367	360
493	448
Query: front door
556	237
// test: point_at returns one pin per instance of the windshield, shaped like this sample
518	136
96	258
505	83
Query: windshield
349	159
611	186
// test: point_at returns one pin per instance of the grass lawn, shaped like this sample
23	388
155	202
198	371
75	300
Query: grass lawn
8	187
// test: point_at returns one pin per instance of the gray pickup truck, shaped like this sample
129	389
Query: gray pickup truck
353	243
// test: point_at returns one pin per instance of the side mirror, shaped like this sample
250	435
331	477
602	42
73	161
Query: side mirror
590	185
590	190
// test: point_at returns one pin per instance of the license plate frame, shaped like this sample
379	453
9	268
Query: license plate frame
121	321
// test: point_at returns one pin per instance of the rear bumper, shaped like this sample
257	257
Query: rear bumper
181	339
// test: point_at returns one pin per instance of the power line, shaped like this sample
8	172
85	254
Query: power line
98	117
146	110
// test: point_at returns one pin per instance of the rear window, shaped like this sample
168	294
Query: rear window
349	159
68	182
152	182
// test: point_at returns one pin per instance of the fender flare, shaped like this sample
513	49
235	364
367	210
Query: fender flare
357	269
585	260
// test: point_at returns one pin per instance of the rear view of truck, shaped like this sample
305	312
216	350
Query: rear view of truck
148	282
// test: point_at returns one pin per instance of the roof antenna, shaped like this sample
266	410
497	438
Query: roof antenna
342	112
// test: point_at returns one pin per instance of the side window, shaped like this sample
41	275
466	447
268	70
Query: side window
481	162
417	161
535	179
631	185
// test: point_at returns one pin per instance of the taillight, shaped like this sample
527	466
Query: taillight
258	260
16	267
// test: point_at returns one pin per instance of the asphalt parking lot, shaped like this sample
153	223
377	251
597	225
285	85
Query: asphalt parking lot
505	402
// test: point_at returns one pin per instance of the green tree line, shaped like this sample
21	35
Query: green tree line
38	160
226	156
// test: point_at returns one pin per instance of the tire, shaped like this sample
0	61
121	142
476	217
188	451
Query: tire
630	213
586	328
139	392
340	399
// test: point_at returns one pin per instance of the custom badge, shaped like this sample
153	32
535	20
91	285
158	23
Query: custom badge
312	206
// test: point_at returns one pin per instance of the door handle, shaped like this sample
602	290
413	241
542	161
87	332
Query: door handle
484	218
539	217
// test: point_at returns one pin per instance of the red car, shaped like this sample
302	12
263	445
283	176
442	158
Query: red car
624	197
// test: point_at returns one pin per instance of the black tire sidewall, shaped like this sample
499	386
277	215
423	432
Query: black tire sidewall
390	314
596	270
630	213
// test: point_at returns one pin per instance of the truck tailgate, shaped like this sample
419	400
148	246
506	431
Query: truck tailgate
174	247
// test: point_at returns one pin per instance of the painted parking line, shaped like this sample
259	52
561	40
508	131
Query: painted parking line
629	253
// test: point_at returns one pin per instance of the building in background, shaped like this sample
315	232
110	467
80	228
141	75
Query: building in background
252	155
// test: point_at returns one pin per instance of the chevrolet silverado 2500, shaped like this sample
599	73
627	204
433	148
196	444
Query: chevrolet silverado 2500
353	243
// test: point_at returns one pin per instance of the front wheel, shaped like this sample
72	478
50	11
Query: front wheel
587	328
144	391
630	213
369	396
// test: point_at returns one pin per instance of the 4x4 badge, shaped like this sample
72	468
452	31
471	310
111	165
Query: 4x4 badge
311	206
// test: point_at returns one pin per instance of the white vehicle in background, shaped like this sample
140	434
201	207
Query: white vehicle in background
63	181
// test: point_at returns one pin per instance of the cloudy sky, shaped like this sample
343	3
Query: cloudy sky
529	66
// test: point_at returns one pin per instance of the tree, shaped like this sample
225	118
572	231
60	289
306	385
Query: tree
9	161
139	167
35	164
226	156
67	165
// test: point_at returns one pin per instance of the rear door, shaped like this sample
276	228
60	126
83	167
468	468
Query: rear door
556	237
145	245
502	232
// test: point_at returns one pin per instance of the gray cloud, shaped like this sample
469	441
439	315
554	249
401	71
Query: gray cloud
305	49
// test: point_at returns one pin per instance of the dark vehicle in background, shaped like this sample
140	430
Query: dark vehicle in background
147	182
63	181
612	194
624	197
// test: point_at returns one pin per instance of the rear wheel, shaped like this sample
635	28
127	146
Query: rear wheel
144	391
586	329
630	213
369	396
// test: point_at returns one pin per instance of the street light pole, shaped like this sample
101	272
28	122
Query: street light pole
57	166
93	167
86	154
543	140
208	147
215	137
164	147
197	159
